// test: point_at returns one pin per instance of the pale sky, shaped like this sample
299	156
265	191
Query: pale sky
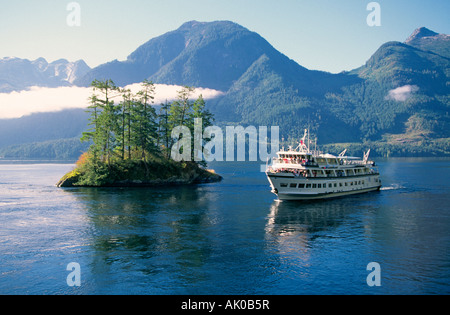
327	35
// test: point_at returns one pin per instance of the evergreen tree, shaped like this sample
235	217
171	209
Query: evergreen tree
132	129
164	137
144	117
91	133
125	122
181	108
200	112
103	119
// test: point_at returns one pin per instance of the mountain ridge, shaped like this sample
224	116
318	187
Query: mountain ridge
186	56
401	92
428	40
18	74
419	33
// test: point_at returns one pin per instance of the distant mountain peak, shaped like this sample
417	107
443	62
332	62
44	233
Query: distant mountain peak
203	54
191	24
419	33
18	74
194	23
427	40
197	25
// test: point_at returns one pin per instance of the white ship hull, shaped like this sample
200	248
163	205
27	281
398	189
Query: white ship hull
292	188
303	174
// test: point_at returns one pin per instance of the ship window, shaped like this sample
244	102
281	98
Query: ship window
319	185
283	185
314	186
301	185
330	185
293	186
335	184
308	185
346	184
340	184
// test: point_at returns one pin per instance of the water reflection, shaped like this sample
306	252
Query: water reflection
306	218
147	231
298	230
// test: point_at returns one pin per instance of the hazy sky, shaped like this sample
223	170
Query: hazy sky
325	35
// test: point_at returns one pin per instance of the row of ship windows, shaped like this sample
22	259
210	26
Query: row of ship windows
324	185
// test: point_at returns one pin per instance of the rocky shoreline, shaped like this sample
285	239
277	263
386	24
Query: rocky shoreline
192	175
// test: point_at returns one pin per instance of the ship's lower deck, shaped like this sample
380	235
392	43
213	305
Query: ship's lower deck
289	187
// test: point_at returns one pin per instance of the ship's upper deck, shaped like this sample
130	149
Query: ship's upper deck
303	157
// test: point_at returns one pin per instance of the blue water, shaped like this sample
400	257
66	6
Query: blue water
231	237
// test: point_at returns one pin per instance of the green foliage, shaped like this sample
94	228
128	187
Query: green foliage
133	125
130	142
156	170
164	129
40	127
416	148
93	173
356	106
143	122
104	120
62	149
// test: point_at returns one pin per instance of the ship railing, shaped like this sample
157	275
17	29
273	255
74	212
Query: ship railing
295	162
313	174
357	162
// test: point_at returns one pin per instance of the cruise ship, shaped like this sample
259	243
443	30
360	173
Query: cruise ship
304	174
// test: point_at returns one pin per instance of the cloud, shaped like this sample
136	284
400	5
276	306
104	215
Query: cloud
165	92
402	93
42	99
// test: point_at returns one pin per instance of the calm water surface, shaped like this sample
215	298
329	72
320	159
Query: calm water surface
231	237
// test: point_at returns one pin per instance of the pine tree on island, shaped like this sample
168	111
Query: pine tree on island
131	142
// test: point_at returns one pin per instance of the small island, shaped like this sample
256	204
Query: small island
133	173
130	141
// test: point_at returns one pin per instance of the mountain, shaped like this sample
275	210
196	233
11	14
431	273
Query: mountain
61	149
420	34
397	100
19	74
401	95
405	88
402	92
212	55
401	85
225	56
41	127
425	39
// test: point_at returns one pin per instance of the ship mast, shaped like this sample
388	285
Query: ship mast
306	130
302	146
